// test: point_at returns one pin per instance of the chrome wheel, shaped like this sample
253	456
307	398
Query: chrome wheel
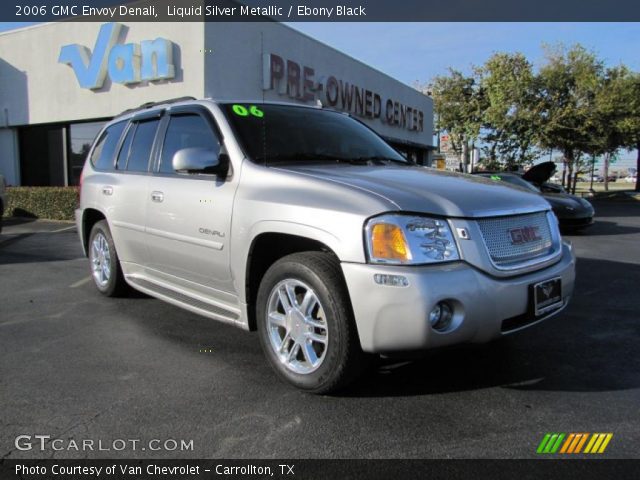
297	326
100	260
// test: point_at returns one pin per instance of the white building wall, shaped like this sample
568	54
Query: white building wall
35	88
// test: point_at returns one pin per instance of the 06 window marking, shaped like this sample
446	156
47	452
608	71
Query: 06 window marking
242	111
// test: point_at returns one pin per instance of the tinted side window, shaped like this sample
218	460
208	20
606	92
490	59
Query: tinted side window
121	164
141	146
186	131
102	156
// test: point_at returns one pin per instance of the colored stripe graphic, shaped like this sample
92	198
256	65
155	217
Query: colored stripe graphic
581	443
573	443
550	443
594	437
605	443
556	446
567	443
598	443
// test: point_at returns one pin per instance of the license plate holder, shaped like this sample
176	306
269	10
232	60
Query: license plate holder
547	296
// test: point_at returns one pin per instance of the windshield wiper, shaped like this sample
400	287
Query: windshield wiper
309	157
293	157
379	158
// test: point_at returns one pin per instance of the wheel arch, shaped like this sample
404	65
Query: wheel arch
90	216
265	249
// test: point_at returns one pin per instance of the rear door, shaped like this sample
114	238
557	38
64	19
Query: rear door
189	215
130	188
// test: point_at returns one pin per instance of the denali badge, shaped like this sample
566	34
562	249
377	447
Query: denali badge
524	235
208	231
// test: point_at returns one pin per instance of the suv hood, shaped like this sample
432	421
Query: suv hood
540	173
425	190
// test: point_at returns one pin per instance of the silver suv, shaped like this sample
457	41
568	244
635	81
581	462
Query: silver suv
303	224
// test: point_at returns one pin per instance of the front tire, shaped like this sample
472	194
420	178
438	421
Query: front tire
105	265
306	325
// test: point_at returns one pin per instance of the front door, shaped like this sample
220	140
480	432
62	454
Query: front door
189	215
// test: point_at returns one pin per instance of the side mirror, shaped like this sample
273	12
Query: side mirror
196	160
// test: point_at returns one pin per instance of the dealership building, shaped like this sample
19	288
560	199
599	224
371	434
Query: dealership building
59	83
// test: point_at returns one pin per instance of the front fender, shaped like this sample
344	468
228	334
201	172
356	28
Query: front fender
241	254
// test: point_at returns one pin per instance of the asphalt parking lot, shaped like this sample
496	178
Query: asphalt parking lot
76	365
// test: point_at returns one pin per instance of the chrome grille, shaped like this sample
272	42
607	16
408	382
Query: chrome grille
517	238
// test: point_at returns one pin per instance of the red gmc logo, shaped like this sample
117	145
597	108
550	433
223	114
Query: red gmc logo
524	235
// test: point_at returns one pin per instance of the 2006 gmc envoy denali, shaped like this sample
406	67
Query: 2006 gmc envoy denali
303	224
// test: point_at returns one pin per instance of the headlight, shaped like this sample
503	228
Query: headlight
408	239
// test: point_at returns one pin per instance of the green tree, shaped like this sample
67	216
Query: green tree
459	103
510	119
611	114
621	102
568	84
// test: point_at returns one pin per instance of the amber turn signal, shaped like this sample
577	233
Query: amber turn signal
388	242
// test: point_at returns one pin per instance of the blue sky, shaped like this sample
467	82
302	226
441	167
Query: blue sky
414	52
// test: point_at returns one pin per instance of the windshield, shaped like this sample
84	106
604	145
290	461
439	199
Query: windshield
512	179
289	134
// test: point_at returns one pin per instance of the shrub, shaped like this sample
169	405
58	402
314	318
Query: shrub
53	203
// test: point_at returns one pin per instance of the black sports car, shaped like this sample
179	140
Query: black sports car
573	212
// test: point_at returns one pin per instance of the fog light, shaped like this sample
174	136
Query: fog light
441	316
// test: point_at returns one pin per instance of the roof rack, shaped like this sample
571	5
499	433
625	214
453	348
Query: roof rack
148	105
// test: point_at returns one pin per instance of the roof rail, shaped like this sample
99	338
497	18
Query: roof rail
148	105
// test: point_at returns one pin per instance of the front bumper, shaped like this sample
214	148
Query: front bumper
579	218
394	319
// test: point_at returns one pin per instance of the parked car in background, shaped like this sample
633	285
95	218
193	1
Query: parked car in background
630	179
3	189
572	212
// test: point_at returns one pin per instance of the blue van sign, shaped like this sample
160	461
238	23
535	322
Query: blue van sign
127	63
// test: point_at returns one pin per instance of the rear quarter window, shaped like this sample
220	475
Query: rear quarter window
103	153
141	146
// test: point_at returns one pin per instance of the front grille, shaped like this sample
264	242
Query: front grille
517	239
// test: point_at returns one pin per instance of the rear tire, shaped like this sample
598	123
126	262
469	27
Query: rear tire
306	324
104	263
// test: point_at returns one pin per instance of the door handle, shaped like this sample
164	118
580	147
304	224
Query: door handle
107	190
157	196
